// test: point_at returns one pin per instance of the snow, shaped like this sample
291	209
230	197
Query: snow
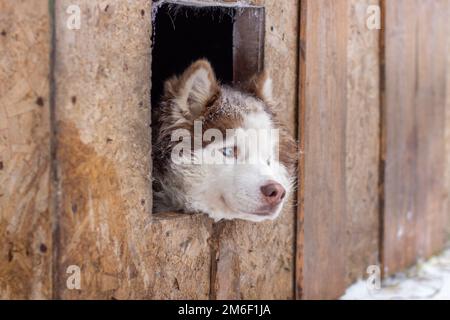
426	280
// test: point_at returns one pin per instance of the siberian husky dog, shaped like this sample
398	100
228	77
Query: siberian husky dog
221	150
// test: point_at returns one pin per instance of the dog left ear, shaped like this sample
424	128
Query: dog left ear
196	86
261	86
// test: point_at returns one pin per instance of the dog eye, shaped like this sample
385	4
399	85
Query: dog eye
268	162
229	152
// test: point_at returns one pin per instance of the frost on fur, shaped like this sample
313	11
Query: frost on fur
235	188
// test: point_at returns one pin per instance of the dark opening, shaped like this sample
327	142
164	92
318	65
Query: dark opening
182	34
230	37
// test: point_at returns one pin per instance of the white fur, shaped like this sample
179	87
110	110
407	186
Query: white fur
231	191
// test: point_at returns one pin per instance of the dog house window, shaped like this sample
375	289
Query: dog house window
230	36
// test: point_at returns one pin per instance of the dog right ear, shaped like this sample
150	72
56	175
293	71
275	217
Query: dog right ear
261	86
193	89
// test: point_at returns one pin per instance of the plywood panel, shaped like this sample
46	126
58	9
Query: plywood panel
321	244
362	141
105	225
25	220
414	109
256	260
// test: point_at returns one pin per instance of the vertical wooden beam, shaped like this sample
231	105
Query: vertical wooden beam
399	248
447	134
430	116
300	234
248	43
362	141
105	225
321	248
25	219
256	260
414	108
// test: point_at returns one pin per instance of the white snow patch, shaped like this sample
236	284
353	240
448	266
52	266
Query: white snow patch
428	280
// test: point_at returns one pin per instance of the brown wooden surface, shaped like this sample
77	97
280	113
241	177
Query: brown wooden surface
362	141
447	127
414	108
102	216
248	43
25	221
321	246
256	260
105	225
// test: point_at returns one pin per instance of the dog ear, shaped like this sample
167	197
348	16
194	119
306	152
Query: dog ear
261	86
194	88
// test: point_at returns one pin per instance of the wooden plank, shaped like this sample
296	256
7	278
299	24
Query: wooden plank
362	141
25	219
415	51
321	246
447	134
256	260
398	123
105	226
430	117
248	43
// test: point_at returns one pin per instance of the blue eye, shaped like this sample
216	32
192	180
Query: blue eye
228	152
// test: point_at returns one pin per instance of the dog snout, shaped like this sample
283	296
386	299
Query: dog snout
273	193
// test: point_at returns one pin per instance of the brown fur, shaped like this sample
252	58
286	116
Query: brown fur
217	112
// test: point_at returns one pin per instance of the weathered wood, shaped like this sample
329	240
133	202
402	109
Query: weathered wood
105	225
256	260
447	133
25	219
248	43
415	53
430	115
321	246
362	141
398	123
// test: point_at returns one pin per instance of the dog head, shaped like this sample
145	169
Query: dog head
221	150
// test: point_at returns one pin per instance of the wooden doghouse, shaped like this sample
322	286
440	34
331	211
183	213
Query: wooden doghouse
370	109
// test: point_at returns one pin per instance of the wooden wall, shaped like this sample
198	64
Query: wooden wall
246	268
447	133
322	217
414	131
97	110
75	165
105	226
362	141
25	218
337	236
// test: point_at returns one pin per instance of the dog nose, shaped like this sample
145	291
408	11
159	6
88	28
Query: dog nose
273	193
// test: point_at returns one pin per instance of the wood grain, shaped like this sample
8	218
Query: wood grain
256	260
25	220
415	53
248	43
105	225
321	246
362	141
447	127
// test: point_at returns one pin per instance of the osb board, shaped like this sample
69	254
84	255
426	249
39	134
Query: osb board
321	232
256	260
414	120
105	225
25	222
362	141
